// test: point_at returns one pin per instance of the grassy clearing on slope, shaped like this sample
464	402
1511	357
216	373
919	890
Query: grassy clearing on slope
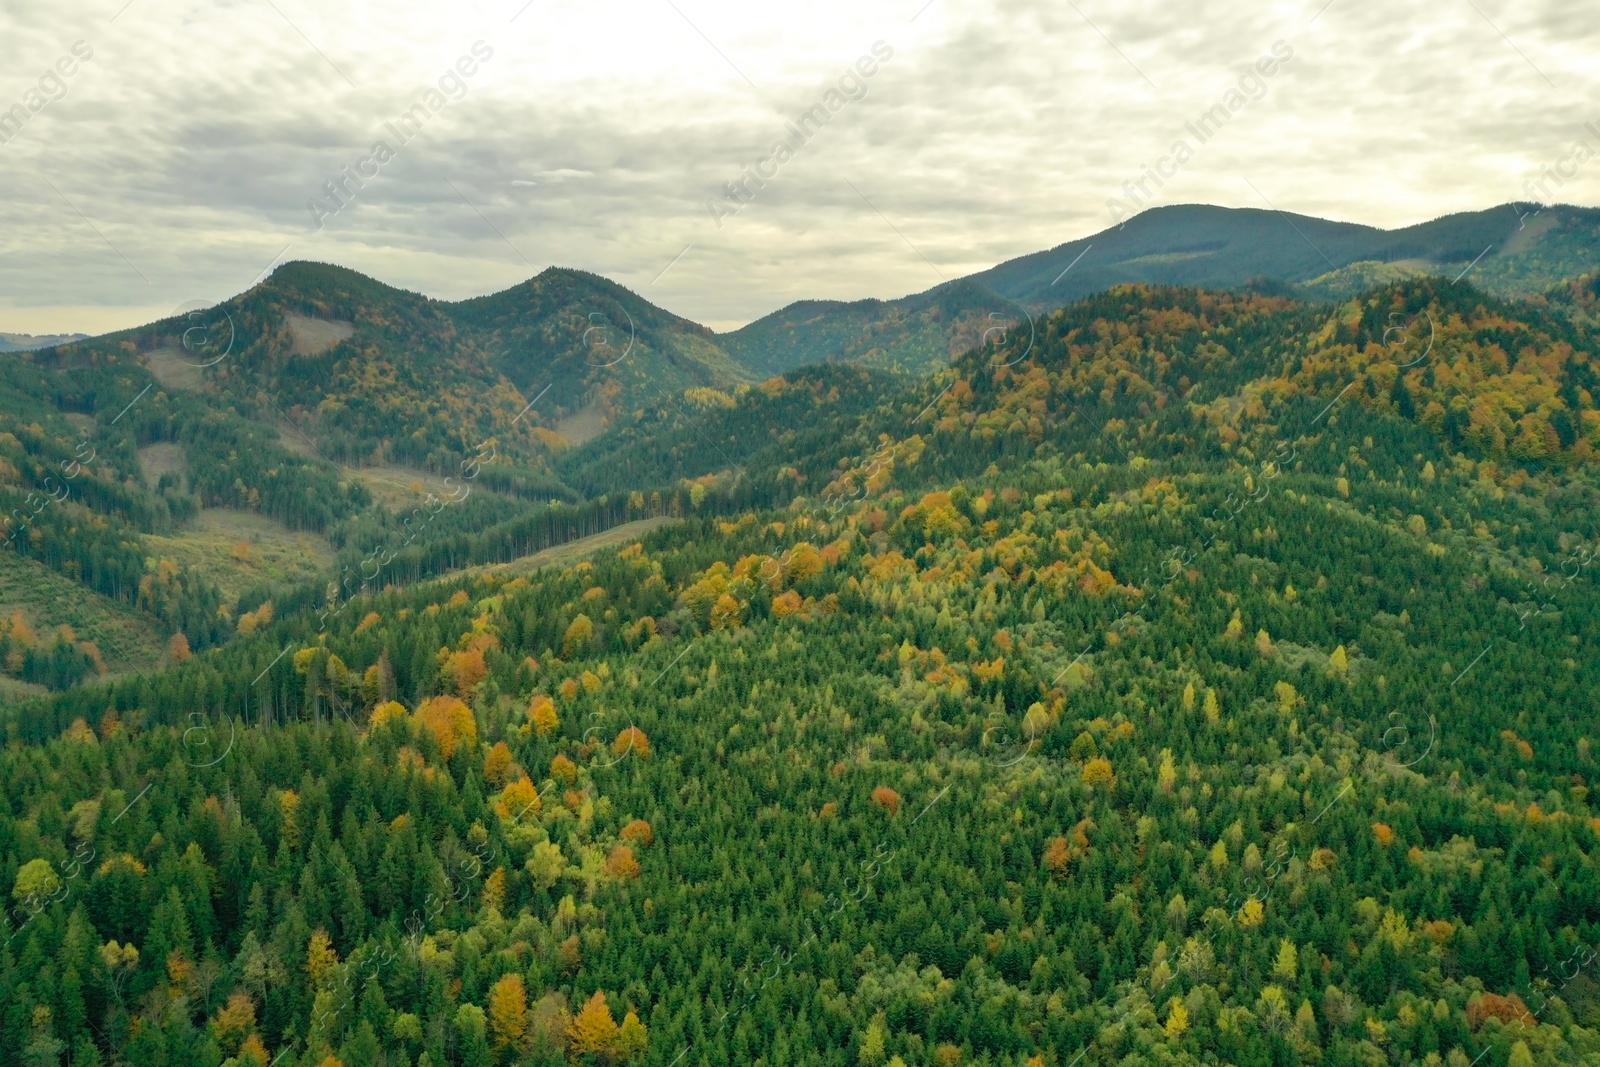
163	458
583	425
128	640
573	551
394	487
237	549
398	488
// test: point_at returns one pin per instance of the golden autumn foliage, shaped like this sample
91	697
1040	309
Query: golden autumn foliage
234	1021
786	604
450	722
500	766
179	968
631	739
633	1038
494	889
887	799
805	561
387	712
1383	833
638	832
593	1029
518	800
289	826
252	1053
466	671
990	670
178	648
1098	772
1177	1019
726	612
621	864
579	635
563	770
79	731
1056	856
320	957
508	1011
542	713
250	621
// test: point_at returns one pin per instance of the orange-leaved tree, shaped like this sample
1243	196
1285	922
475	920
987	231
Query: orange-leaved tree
632	739
450	722
621	864
887	799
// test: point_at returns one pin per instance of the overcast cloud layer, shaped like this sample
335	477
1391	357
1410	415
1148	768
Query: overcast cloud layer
181	159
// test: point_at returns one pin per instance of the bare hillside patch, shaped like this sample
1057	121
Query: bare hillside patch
163	458
173	371
237	549
583	425
311	336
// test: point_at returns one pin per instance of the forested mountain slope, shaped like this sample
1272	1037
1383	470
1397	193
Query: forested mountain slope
1198	678
918	333
1510	250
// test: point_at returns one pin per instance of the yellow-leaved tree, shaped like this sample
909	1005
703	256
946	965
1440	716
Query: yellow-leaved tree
1097	772
517	801
508	1012
578	636
499	766
1177	1019
542	713
593	1029
450	722
633	1037
1287	966
320	957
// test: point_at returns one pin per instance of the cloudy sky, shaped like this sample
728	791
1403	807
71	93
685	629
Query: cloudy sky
178	162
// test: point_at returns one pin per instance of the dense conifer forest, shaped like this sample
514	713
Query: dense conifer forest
1176	678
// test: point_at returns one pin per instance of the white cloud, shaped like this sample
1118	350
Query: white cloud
189	145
